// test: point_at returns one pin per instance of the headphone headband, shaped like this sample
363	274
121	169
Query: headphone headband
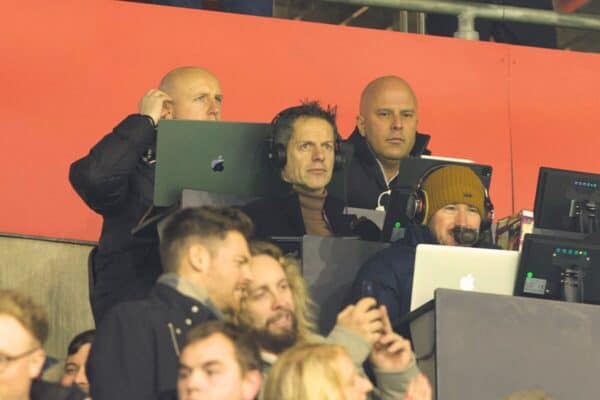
417	208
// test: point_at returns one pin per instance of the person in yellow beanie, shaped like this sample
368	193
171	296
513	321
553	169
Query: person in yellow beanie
454	203
451	208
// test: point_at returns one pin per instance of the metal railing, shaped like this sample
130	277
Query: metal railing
468	11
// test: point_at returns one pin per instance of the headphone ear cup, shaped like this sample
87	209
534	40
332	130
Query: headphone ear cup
274	154
488	212
280	155
415	207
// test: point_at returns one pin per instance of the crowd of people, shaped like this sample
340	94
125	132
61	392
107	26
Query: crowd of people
210	309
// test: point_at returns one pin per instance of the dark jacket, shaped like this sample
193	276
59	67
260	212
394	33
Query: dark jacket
391	271
41	390
118	184
364	178
282	216
135	351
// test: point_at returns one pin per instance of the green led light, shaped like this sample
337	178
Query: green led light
397	225
530	274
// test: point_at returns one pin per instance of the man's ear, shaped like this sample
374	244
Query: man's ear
198	257
167	110
251	384
360	124
36	362
284	176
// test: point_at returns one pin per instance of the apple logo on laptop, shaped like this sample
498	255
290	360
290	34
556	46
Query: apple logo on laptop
218	164
467	282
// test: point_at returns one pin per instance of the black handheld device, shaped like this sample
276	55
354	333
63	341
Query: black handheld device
367	289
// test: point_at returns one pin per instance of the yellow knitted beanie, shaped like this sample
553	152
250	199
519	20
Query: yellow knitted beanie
453	184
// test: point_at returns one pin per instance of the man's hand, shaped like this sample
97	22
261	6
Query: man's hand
418	389
391	352
363	319
152	104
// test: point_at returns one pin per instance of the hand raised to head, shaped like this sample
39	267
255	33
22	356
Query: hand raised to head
152	104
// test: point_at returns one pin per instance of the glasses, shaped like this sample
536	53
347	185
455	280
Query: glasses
5	360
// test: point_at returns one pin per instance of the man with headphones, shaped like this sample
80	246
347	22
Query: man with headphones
450	207
305	148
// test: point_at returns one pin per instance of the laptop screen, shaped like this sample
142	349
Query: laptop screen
219	157
464	268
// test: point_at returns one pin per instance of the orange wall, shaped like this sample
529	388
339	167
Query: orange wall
71	70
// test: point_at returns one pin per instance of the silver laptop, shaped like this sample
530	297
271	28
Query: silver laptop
464	268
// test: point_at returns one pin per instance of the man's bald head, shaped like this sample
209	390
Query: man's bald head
388	119
379	86
195	93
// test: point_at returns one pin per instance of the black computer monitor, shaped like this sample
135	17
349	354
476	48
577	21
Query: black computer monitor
559	269
566	203
412	171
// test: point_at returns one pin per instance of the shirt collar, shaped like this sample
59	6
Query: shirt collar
189	289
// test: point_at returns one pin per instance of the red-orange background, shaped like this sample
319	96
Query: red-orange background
71	70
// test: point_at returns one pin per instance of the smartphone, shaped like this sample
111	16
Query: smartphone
368	290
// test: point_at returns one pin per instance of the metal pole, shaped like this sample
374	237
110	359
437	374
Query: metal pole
421	22
466	26
488	11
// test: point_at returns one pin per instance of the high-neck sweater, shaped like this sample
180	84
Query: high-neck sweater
313	214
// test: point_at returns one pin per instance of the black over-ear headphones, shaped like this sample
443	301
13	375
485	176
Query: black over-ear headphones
417	205
277	152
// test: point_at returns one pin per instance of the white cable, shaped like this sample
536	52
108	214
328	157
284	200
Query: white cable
380	207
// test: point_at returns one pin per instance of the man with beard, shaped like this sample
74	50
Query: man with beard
276	310
456	208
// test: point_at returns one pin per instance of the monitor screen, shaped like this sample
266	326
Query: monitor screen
559	269
566	201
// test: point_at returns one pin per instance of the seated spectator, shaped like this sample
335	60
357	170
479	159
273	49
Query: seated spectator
501	31
385	133
305	147
136	348
456	210
312	371
218	362
277	312
77	355
23	331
